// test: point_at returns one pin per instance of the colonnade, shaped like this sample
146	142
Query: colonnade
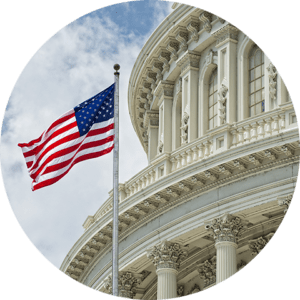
168	256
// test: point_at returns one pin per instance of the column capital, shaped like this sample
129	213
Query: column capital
225	34
127	282
189	60
164	90
226	228
167	255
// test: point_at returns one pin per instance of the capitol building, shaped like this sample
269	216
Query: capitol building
220	133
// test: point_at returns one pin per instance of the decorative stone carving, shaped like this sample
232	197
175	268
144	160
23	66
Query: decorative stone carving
164	89
287	150
194	27
227	32
158	68
167	255
179	86
140	211
150	205
254	160
225	171
164	57
207	271
127	283
184	128
180	290
161	199
209	59
197	181
239	165
241	265
206	18
151	77
270	155
257	245
194	289
272	81
173	192
210	176
184	187
226	228
160	145
285	201
222	103
189	60
182	37
173	47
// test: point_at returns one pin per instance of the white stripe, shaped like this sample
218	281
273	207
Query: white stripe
48	134
64	134
54	174
84	140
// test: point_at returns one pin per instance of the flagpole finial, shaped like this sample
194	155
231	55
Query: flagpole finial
117	68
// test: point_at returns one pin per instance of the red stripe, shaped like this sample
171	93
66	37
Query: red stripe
65	139
57	122
69	150
37	149
63	164
77	160
100	130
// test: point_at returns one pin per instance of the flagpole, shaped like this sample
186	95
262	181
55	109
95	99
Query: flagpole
115	240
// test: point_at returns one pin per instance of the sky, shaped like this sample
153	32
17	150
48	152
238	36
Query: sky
72	66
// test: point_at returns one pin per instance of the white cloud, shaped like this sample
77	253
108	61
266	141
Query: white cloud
73	65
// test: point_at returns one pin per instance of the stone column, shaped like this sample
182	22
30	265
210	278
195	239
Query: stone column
189	64
151	125
226	230
227	38
164	95
167	258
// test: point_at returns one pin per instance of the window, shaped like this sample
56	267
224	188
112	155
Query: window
256	82
212	100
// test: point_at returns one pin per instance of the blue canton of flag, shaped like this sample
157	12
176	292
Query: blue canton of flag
95	110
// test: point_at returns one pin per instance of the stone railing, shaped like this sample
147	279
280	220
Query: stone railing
216	141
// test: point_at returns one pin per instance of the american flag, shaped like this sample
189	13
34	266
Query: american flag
84	132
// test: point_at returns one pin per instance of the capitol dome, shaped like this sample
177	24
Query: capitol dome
219	129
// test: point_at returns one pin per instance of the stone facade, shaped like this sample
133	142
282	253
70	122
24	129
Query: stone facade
223	150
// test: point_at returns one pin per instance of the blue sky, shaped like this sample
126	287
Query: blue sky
73	65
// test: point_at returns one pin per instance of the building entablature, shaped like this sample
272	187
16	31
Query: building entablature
175	176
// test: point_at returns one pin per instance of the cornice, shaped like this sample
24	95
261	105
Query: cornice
196	192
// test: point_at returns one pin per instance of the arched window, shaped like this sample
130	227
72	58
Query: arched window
212	100
256	82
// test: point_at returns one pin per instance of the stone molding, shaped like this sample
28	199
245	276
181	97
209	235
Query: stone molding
167	255
256	245
106	235
226	228
189	60
207	271
285	201
226	33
